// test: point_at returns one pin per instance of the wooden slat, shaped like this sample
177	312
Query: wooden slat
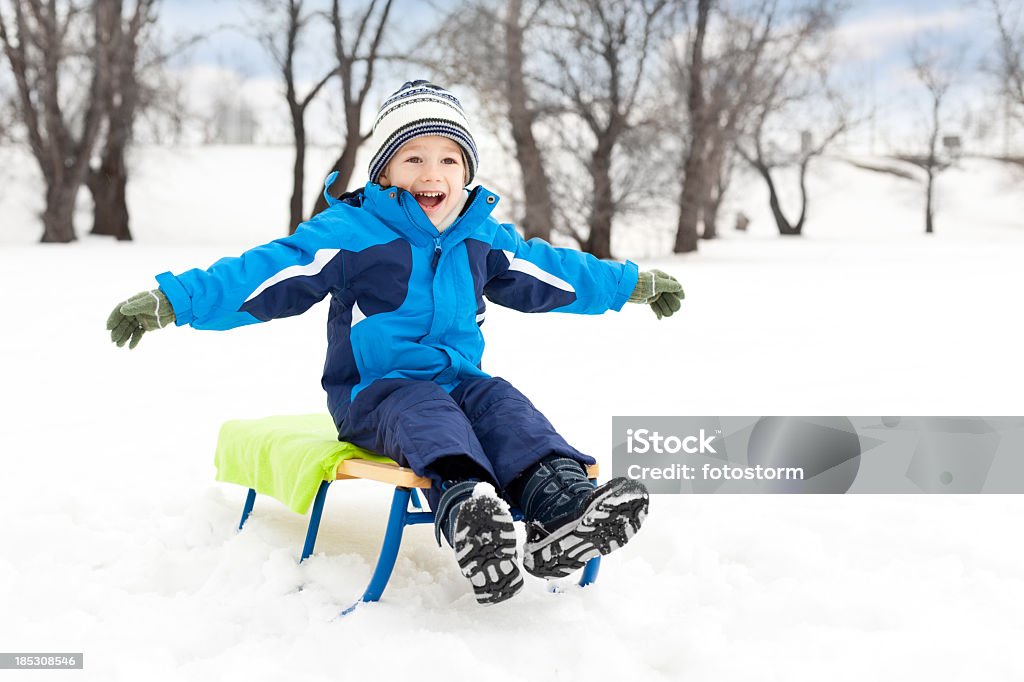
396	475
379	471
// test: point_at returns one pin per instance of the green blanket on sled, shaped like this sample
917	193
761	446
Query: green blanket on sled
285	457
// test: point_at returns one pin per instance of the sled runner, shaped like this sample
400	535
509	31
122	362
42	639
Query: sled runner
295	458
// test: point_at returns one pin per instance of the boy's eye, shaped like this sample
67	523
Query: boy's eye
413	159
449	160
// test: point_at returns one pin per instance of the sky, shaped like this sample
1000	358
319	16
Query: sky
876	37
873	39
877	30
232	45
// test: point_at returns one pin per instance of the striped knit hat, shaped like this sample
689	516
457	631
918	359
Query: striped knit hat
418	109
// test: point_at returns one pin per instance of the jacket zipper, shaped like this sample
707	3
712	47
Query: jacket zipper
437	241
437	253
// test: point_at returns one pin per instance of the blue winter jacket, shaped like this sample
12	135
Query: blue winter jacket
406	301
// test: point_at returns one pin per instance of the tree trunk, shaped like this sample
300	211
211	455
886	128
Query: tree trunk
773	199
933	163
710	215
58	217
799	227
110	213
599	241
539	214
108	186
345	166
929	227
689	206
109	183
693	165
295	214
714	187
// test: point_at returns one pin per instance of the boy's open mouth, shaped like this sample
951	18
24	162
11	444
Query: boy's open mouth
429	200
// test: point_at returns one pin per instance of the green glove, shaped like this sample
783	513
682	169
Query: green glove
143	312
659	290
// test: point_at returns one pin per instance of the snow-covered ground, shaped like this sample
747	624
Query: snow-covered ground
116	541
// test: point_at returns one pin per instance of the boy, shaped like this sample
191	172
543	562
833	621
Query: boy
408	260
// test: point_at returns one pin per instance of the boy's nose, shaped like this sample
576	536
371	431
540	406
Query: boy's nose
430	170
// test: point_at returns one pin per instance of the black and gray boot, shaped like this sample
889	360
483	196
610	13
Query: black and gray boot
479	529
569	521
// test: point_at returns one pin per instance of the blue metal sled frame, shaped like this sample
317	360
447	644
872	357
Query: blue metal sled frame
399	517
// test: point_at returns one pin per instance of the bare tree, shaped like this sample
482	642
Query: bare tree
729	107
599	51
61	130
538	217
108	183
289	22
8	115
764	162
695	178
718	174
934	68
370	27
719	85
794	76
495	66
162	113
1008	16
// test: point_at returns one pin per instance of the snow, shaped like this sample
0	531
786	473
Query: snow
118	543
484	489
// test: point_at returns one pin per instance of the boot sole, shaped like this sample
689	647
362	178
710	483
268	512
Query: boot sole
608	523
485	547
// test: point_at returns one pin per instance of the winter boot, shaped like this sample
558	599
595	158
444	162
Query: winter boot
569	521
479	528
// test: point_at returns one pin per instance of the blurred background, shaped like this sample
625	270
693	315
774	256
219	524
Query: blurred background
640	128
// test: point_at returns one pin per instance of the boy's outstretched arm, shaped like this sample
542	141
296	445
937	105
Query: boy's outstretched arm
280	279
534	276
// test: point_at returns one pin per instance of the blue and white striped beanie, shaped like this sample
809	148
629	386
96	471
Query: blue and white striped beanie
418	109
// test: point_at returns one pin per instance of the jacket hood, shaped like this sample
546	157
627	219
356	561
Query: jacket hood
397	208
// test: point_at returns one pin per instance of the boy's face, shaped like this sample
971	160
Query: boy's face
432	169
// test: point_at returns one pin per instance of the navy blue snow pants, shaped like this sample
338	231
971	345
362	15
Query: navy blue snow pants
487	420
